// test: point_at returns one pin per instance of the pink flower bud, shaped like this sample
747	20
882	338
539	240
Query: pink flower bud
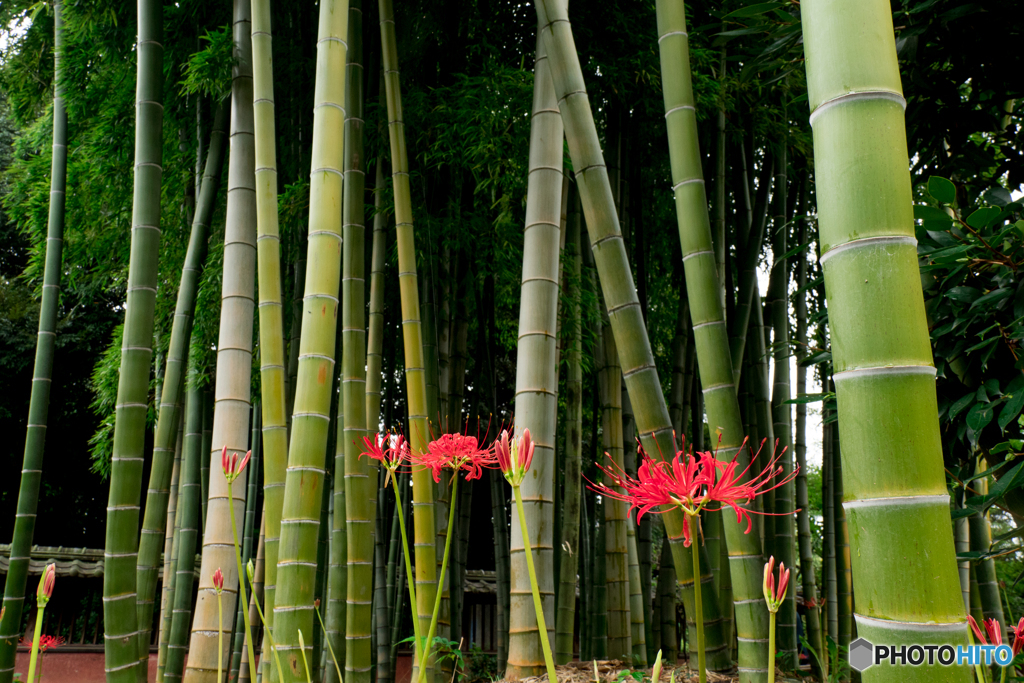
525	451
46	582
218	580
502	450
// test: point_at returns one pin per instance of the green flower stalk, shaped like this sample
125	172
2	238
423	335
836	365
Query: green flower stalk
774	596
43	594
323	629
249	571
392	458
514	458
302	651
232	469
218	585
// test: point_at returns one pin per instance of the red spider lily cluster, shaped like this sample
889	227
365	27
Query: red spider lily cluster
775	594
456	452
231	465
692	482
995	633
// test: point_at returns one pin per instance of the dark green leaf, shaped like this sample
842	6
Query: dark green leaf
979	416
815	358
755	9
994	295
1011	409
925	212
965	294
960	513
998	196
982	217
961	405
808	398
943	190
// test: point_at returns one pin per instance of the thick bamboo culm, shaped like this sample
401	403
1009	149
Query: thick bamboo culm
120	616
234	365
305	480
537	374
42	370
565	617
884	376
637	634
375	327
248	544
615	511
360	474
713	356
271	316
169	558
412	329
985	570
626	318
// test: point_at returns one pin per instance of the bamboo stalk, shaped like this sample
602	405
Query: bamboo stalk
169	556
884	377
375	328
536	372
248	543
569	564
305	477
120	616
709	326
499	518
783	548
273	374
234	365
985	570
42	370
412	330
188	535
638	636
360	480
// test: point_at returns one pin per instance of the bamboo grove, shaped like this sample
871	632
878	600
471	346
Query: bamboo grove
259	260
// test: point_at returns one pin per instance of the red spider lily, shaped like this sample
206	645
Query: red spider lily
774	595
218	580
45	642
455	452
46	581
992	628
514	455
231	465
391	456
1018	637
727	488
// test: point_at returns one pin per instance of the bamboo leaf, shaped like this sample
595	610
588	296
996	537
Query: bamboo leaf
808	398
815	358
754	10
979	416
1011	410
983	217
961	405
793	252
925	212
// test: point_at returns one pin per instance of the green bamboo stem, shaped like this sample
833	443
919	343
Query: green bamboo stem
305	476
829	569
962	544
883	375
841	533
42	371
273	373
189	509
360	474
120	617
692	520
233	389
615	511
783	547
807	570
375	328
569	565
437	598
985	570
709	327
169	558
667	605
653	422
638	636
535	589
536	373
204	462
412	331
173	394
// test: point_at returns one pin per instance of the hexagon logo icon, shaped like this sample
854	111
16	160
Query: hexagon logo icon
861	654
